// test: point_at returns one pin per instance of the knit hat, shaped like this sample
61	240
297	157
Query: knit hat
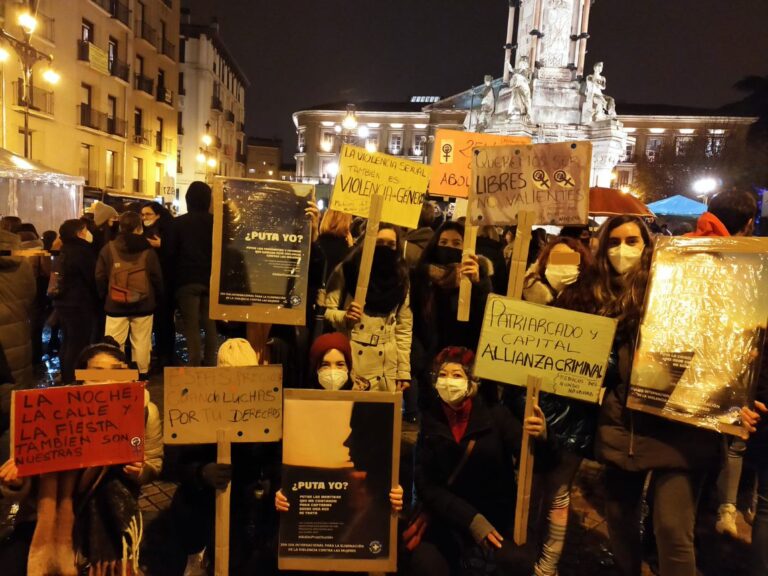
237	352
102	212
326	342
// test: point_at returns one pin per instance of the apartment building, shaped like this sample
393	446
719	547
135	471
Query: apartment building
112	116
211	107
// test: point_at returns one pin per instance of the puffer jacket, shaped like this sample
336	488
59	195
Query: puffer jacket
381	345
17	295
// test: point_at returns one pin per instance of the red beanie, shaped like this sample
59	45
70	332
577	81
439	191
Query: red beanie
326	342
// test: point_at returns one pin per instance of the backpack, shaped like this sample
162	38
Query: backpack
128	281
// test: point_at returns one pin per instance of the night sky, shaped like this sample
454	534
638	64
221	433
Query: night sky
300	53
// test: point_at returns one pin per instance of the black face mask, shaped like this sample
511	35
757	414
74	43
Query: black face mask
384	257
446	255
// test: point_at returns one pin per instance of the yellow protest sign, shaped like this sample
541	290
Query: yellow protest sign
452	159
402	183
552	180
567	350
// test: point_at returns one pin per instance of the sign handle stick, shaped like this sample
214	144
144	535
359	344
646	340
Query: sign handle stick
223	456
517	268
465	286
525	475
369	246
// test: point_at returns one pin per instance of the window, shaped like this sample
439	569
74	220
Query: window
140	12
326	142
653	148
112	115
302	140
159	136
683	145
86	31
179	122
112	53
395	142
629	152
160	79
158	179
300	167
181	83
715	146
137	172
372	142
138	123
86	93
162	35
85	164
139	65
109	168
182	51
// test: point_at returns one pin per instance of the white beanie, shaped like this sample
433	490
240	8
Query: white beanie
102	212
237	352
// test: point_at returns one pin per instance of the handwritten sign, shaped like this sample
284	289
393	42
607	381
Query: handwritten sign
551	180
452	159
402	183
567	350
247	401
70	427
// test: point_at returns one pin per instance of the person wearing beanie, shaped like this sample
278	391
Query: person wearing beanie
330	362
465	469
105	224
189	247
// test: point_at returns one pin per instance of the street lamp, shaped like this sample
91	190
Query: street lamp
704	187
205	156
29	56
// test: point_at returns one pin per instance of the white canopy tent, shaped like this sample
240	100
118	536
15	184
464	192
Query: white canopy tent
38	194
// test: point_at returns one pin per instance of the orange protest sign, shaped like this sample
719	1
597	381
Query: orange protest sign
70	427
452	159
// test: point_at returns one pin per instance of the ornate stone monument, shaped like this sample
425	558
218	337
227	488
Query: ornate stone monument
544	93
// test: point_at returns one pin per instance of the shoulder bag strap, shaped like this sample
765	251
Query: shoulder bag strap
462	462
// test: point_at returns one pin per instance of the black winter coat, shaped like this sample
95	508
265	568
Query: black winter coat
189	246
334	249
76	264
486	484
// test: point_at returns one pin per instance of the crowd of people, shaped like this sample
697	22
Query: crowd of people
119	288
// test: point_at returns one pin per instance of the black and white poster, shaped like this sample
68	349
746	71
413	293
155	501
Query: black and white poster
703	329
260	251
340	461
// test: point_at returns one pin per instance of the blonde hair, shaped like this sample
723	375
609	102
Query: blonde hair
336	223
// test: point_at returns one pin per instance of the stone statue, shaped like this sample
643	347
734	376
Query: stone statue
597	105
520	87
480	120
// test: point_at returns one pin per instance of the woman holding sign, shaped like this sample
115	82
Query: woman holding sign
381	333
563	276
465	471
630	443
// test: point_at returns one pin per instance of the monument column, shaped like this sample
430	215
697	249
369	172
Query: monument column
537	28
584	35
510	36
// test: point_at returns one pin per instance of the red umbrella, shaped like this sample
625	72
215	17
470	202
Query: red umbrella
612	202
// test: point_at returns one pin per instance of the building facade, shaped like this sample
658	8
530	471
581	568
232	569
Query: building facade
112	116
211	107
264	159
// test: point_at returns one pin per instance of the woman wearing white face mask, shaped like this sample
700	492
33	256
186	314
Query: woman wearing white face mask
465	470
563	276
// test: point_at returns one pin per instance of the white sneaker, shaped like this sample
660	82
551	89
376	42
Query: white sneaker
726	520
196	564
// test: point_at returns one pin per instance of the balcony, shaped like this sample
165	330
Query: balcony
89	117
216	104
141	137
144	84
163	145
119	69
229	116
146	32
120	12
241	127
242	158
40	100
168	49
164	95
83	51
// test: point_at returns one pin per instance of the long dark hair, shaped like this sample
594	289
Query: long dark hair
622	297
578	296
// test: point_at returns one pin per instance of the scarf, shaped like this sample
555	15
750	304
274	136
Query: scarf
458	418
52	551
385	290
445	277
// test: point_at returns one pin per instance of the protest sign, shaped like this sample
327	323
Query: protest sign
247	401
71	427
567	350
362	174
261	239
552	180
341	452
452	159
702	332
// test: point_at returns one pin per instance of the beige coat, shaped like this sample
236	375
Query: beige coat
381	346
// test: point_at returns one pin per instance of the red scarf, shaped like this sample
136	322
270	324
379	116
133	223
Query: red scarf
458	418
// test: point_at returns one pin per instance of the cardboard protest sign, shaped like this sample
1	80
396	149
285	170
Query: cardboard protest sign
703	330
362	174
246	401
341	452
567	350
452	159
551	180
261	239
71	427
